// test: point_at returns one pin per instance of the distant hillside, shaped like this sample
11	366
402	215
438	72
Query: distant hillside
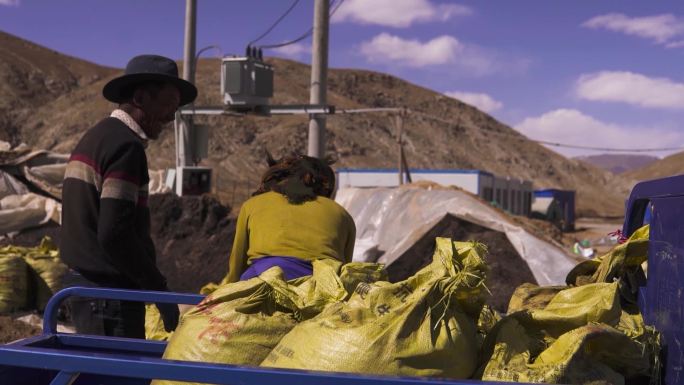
31	76
668	166
441	132
618	163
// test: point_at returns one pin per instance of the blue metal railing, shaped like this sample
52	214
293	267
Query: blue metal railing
50	315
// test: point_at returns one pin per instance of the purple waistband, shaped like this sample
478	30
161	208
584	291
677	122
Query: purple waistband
292	267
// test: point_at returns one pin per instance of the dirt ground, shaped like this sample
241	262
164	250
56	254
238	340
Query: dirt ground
12	330
594	230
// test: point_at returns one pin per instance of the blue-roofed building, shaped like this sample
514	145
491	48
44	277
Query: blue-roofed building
557	206
511	194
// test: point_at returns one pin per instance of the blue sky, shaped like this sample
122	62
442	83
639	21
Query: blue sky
596	73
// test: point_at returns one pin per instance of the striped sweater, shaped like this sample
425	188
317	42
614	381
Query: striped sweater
105	232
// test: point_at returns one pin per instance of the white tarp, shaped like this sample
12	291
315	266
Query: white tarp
157	182
18	212
20	209
9	185
393	219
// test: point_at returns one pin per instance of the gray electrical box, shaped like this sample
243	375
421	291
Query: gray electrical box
193	180
246	82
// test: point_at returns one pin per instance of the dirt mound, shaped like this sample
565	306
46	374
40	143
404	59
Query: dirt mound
507	270
32	237
193	237
12	330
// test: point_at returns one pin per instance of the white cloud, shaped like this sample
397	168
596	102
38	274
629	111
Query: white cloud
659	28
10	3
631	88
297	50
397	13
462	59
675	44
482	101
570	126
386	48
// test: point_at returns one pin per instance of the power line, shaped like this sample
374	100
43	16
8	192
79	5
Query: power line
305	34
214	46
297	40
519	136
522	137
294	4
336	7
607	148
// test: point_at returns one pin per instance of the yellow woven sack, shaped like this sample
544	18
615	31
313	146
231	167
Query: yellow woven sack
154	326
529	296
361	272
241	322
13	281
49	269
594	353
581	336
351	275
622	259
578	306
423	326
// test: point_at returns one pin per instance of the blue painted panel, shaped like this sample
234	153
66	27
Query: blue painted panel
662	301
566	200
664	295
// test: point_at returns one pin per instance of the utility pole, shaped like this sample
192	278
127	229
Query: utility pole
402	162
319	77
184	138
400	132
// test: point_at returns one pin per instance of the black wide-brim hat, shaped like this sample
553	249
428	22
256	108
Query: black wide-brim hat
148	68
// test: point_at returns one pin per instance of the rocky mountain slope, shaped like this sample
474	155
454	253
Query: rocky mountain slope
668	166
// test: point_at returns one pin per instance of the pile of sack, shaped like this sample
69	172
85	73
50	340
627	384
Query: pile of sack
29	276
590	331
350	319
345	318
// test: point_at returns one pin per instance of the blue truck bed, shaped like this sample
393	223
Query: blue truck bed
70	359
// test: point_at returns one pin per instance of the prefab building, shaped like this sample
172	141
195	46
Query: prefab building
512	195
557	206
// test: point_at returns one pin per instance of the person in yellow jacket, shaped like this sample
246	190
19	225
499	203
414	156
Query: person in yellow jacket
290	221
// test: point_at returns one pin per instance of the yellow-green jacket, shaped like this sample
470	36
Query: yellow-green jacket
268	225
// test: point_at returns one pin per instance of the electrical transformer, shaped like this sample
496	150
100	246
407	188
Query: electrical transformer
246	82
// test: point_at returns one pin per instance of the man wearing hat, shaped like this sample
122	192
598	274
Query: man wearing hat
105	236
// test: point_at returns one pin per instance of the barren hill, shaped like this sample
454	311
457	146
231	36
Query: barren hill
441	132
618	163
668	166
31	76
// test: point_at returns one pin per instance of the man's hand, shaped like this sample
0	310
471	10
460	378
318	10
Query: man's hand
169	315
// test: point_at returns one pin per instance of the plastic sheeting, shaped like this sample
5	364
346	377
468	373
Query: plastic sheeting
158	182
42	170
390	220
18	212
9	185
